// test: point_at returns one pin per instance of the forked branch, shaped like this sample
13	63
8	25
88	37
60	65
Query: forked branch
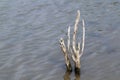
76	48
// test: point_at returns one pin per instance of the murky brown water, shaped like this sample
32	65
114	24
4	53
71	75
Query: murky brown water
30	30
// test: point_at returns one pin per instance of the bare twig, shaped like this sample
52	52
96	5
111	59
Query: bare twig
83	38
68	38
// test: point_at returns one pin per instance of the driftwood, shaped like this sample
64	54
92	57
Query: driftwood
76	49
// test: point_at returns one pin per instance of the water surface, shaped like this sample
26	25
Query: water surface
30	30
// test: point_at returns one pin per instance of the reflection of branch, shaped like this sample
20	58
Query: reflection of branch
77	76
67	75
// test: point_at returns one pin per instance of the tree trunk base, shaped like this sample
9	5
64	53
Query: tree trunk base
77	71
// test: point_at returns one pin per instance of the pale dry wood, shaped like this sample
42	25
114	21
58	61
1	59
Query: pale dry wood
75	55
75	31
83	38
68	38
63	48
76	50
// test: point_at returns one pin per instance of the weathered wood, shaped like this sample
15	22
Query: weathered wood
76	48
68	38
65	53
83	38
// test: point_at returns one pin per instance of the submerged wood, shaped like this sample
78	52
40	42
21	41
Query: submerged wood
76	49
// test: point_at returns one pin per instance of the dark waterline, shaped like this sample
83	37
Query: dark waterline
30	30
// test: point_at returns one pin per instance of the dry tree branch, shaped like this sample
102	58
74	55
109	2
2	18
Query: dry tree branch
75	31
65	53
76	50
68	38
83	38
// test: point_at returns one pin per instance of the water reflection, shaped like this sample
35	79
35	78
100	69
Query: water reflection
68	73
77	76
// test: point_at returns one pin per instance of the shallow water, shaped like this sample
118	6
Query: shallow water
30	30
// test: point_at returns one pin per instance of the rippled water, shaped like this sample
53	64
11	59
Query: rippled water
30	30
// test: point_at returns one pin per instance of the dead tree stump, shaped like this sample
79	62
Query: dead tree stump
76	49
